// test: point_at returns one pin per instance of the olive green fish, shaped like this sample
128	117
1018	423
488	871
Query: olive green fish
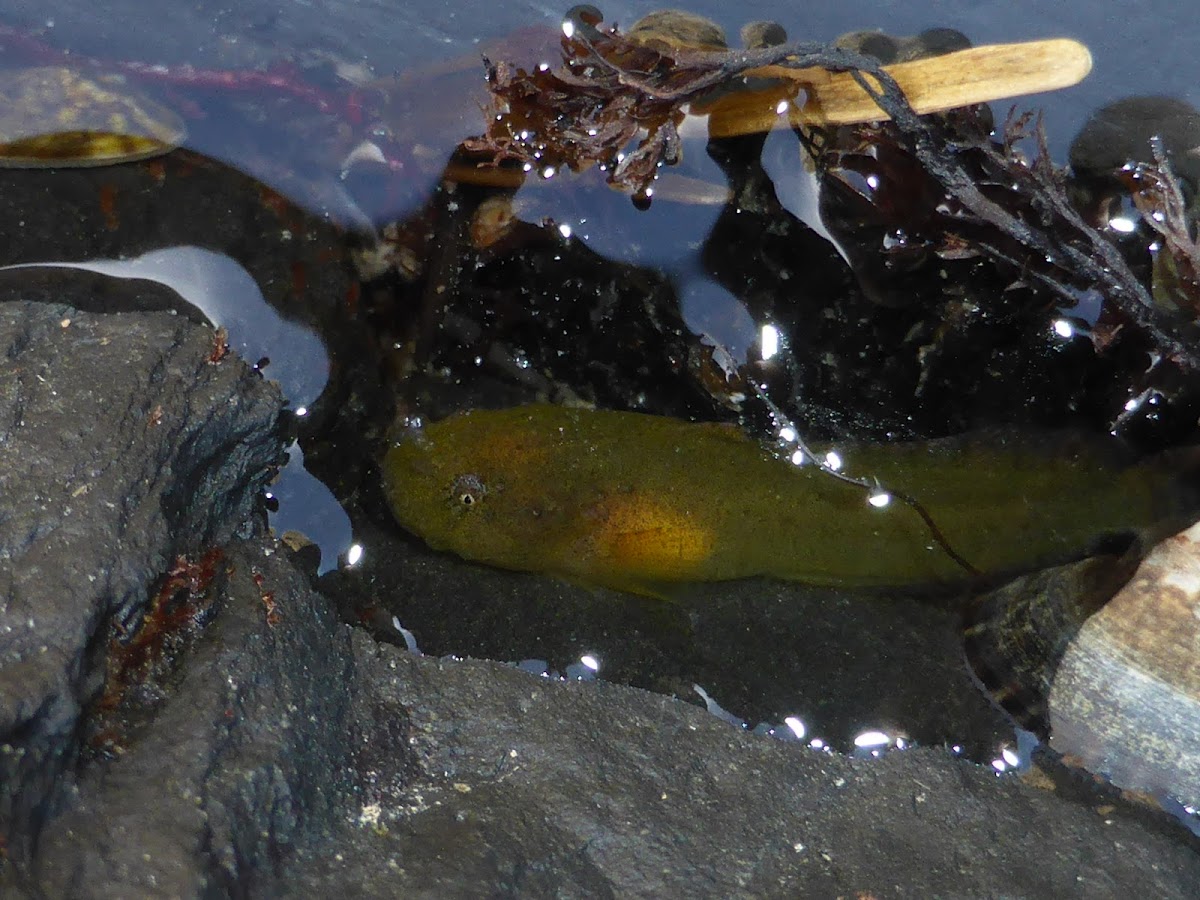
637	502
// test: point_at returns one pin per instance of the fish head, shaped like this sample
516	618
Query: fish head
476	491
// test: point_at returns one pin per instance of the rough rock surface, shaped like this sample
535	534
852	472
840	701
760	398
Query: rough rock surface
122	445
523	787
287	755
246	755
763	649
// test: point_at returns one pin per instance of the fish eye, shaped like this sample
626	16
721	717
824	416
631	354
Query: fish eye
467	491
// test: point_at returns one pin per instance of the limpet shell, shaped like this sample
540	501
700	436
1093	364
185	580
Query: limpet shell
1103	657
51	116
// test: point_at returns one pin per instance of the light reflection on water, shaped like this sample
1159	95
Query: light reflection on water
228	296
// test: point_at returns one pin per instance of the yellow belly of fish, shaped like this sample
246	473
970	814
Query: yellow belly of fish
644	540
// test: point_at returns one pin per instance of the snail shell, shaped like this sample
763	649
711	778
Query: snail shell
890	49
674	29
1115	685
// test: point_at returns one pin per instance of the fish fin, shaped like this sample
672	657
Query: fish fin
668	592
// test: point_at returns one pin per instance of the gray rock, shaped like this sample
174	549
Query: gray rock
523	787
122	446
248	752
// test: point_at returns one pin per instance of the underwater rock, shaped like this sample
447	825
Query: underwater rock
1114	684
1119	133
674	28
530	787
890	49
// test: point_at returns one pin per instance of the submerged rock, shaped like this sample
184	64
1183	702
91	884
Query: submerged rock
1102	658
525	787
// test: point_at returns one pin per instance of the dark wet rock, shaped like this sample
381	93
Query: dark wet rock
246	754
843	662
524	787
204	223
889	49
122	446
122	212
1120	133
